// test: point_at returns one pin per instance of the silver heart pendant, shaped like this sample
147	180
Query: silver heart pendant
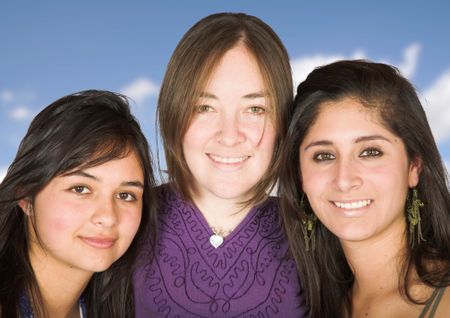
216	240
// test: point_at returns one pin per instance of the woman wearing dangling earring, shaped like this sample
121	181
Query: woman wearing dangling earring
223	110
371	236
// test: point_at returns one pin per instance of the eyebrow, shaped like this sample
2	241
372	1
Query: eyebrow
357	140
318	143
255	95
247	96
137	184
372	137
81	173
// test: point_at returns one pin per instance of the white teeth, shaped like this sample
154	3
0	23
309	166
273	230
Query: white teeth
352	205
227	159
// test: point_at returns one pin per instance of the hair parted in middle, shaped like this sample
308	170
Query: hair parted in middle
191	65
381	89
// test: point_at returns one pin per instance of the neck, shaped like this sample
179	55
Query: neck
60	285
224	214
376	263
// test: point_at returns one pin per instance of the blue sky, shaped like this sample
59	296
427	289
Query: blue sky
53	48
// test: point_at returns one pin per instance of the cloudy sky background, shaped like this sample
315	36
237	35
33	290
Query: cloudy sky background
49	49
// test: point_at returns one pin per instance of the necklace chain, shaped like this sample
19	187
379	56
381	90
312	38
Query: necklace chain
220	231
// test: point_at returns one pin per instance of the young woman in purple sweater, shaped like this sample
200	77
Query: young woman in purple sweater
223	110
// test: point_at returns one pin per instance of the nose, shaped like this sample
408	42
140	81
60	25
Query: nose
348	176
104	214
230	132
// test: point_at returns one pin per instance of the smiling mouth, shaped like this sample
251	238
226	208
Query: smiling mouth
352	205
227	160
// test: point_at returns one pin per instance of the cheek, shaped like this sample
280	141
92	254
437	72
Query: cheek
264	147
391	179
269	137
194	138
199	128
54	215
312	179
55	228
130	222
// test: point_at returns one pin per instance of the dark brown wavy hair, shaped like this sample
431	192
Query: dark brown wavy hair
325	272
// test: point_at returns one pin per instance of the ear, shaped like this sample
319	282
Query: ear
415	169
26	206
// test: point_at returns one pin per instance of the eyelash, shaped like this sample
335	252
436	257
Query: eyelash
203	109
371	152
80	187
133	197
256	110
80	190
323	156
366	153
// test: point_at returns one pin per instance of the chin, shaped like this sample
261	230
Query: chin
355	235
231	195
99	266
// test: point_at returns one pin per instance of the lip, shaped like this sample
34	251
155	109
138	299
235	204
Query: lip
352	208
227	161
98	242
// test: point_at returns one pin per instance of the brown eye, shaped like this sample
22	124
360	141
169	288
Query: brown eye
323	156
371	152
124	196
80	189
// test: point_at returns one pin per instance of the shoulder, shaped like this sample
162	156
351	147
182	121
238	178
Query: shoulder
443	303
268	209
166	194
267	217
271	203
25	308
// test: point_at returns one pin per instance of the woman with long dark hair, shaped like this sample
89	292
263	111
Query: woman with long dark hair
365	196
73	204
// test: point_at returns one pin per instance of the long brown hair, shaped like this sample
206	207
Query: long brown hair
325	272
192	63
80	130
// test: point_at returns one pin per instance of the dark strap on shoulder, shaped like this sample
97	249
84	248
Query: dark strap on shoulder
433	302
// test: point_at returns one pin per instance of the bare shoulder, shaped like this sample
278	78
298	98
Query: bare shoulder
443	308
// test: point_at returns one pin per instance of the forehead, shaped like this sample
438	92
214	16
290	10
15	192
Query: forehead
109	150
127	166
237	73
347	116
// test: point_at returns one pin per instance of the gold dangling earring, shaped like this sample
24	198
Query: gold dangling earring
308	226
414	218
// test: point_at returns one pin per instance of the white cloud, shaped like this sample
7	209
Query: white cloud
17	96
411	57
436	101
20	113
2	173
140	90
6	96
302	66
436	98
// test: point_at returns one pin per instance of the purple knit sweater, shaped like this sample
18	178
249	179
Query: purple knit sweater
247	276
